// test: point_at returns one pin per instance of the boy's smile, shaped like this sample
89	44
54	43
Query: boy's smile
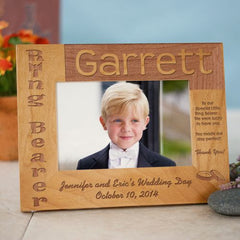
125	129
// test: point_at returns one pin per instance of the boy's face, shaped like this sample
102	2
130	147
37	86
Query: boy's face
125	129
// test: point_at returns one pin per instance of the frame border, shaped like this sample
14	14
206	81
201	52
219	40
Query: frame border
44	187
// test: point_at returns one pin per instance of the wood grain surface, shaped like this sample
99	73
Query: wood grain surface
44	187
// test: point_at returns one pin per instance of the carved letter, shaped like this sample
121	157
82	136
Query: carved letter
38	142
201	55
171	61
36	170
33	100
35	55
125	58
37	127
183	54
37	157
115	64
93	64
143	56
39	186
38	82
35	68
37	200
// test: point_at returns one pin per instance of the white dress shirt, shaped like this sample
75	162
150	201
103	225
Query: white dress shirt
118	158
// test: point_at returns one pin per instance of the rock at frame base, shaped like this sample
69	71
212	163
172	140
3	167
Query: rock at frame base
226	202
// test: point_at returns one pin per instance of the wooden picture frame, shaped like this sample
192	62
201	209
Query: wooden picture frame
44	187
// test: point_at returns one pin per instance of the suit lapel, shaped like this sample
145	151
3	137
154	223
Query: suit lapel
143	160
102	158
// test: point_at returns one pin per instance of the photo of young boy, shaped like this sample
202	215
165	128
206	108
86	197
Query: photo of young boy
124	115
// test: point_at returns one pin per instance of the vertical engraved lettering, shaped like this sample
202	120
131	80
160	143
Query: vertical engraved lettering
34	55
34	68
38	83
37	127
39	186
38	142
37	157
36	201
35	171
33	100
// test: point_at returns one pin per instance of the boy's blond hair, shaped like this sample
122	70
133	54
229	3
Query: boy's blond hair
120	96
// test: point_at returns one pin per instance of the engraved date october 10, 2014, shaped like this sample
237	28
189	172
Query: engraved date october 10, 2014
129	195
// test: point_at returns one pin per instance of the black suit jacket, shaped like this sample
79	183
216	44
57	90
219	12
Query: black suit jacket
146	158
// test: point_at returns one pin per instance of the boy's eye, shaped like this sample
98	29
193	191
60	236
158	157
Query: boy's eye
117	120
135	120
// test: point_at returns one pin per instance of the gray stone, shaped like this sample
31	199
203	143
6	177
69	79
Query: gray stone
226	202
